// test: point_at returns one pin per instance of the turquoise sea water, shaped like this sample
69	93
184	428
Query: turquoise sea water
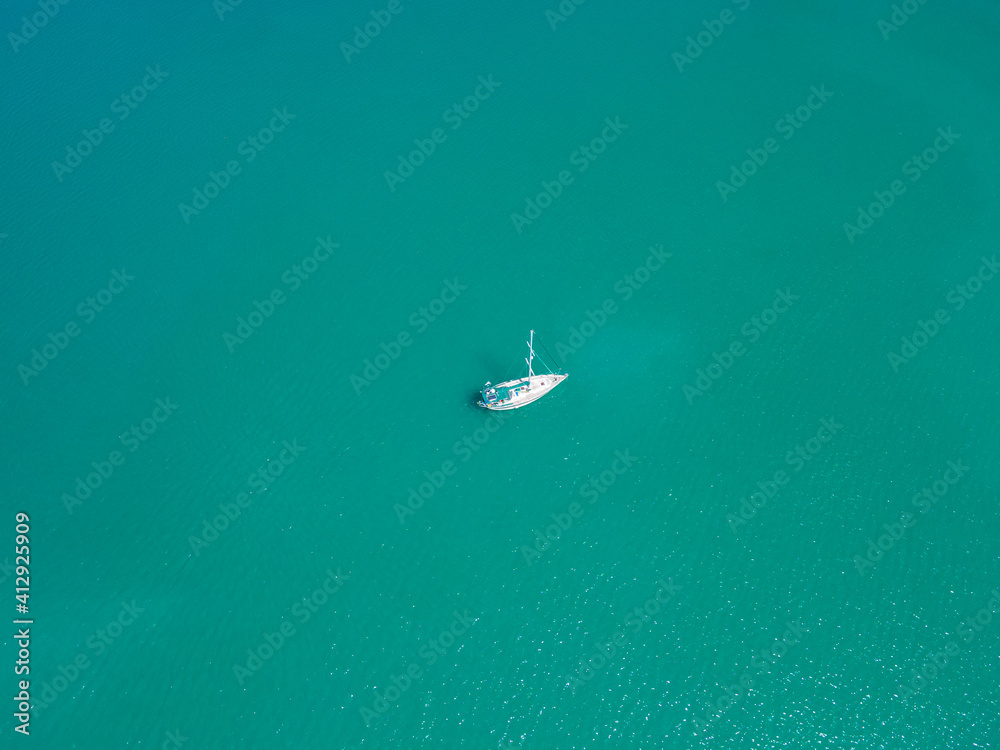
248	573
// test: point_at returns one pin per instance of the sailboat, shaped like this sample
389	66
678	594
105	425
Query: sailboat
513	394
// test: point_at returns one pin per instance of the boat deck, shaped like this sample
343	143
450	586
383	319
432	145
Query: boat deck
512	394
503	393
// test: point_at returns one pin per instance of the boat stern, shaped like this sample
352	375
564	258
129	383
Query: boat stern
489	394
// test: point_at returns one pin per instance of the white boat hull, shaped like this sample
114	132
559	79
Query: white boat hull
524	391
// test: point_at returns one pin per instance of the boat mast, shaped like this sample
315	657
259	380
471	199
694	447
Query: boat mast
531	353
